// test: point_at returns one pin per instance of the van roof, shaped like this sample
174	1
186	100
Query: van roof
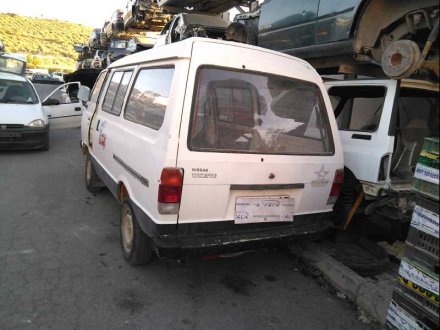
183	49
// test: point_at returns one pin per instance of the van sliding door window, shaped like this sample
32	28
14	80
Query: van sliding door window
148	99
116	92
258	113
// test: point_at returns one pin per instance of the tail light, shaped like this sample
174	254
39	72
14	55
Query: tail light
336	187
170	190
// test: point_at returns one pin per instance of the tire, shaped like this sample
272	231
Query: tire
46	144
359	254
351	187
135	244
93	182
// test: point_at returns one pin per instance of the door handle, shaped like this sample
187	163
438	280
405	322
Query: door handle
361	137
78	109
97	125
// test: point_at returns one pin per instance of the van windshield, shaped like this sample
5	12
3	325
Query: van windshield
258	113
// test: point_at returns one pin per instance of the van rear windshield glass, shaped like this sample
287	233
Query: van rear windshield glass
260	113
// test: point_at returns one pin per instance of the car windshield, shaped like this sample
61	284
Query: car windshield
258	113
19	92
12	65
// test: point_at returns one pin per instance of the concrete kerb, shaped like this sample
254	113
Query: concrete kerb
373	297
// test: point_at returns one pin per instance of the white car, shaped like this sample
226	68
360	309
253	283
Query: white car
23	123
24	119
57	75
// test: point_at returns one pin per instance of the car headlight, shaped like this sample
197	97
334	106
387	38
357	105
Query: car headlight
37	123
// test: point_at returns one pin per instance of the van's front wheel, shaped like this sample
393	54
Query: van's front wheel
135	244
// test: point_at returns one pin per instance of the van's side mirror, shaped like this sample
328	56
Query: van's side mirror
84	93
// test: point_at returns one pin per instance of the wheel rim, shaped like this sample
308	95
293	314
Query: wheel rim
127	229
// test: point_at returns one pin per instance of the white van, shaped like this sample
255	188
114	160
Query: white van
212	147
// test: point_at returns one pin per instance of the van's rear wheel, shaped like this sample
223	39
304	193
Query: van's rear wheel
93	182
135	244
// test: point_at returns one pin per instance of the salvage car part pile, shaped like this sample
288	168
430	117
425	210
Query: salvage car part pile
415	301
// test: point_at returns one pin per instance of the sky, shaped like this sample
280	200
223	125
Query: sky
92	13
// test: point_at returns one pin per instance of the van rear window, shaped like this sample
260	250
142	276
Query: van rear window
258	113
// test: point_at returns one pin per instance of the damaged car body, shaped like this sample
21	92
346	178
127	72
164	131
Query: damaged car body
382	124
186	25
145	14
202	6
398	39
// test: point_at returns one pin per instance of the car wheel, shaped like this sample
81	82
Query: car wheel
46	144
93	182
135	244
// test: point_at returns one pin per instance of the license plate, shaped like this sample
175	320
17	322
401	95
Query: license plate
10	135
263	209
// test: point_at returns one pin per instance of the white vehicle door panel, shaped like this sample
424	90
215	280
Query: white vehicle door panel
68	112
92	105
364	150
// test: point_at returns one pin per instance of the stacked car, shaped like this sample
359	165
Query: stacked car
128	30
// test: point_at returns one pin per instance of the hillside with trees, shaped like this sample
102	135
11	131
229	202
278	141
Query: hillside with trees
47	43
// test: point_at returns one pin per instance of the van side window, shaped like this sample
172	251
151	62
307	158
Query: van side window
358	108
116	92
148	99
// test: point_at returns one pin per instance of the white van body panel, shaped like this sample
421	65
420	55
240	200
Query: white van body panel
212	199
140	149
363	157
90	110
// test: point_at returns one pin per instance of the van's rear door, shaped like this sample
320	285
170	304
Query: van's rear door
254	146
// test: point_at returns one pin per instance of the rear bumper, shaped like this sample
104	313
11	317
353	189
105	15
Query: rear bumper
242	238
23	138
177	241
